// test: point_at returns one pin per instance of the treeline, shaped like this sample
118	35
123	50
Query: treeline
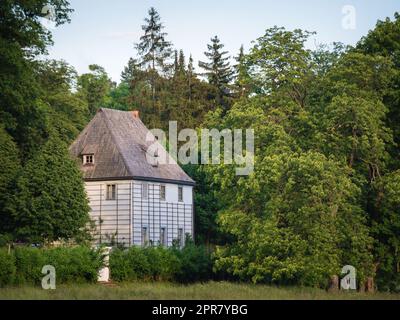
325	191
162	83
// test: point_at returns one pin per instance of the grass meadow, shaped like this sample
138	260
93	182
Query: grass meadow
198	291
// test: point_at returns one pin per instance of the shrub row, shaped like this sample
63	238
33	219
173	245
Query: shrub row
189	264
23	265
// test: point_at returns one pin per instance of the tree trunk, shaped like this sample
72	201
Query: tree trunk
370	285
334	284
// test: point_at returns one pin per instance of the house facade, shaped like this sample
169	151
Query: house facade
133	201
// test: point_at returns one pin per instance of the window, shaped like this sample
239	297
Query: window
163	236
145	236
180	237
111	190
180	194
88	159
145	189
162	192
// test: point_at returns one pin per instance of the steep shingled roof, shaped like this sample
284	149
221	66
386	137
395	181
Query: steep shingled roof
118	141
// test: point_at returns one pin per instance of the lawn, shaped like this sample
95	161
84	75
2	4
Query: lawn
210	290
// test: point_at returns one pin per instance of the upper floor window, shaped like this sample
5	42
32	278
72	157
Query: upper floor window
145	190
111	192
180	194
162	192
88	159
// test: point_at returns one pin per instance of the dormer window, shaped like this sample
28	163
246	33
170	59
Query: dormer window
88	159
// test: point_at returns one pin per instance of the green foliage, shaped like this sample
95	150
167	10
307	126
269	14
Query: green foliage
326	177
298	233
50	203
153	48
279	63
207	206
194	263
218	70
23	265
29	263
9	168
75	264
131	264
22	38
7	268
384	41
66	111
386	228
191	263
94	88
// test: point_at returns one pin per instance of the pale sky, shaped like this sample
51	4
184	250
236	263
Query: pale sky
103	32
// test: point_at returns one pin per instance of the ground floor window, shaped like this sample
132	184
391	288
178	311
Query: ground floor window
163	236
145	236
181	240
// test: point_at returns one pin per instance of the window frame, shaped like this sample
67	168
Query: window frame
145	190
163	236
181	240
113	195
180	193
86	157
163	192
145	236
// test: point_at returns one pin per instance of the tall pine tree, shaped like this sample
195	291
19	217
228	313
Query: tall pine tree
241	74
154	50
218	70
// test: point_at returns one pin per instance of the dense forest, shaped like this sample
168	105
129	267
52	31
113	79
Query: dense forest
325	191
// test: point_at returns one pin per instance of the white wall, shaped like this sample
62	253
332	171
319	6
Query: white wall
130	212
172	193
155	213
114	214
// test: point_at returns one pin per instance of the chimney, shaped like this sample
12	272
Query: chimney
135	114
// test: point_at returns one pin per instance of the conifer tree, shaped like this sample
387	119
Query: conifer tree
50	202
241	74
154	50
181	62
130	71
217	70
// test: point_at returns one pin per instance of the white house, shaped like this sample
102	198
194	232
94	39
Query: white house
132	201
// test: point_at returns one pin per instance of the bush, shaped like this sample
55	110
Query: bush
74	265
195	263
189	264
29	263
128	264
119	265
7	268
164	263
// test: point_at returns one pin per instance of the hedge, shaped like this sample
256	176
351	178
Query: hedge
23	265
7	268
80	264
189	264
